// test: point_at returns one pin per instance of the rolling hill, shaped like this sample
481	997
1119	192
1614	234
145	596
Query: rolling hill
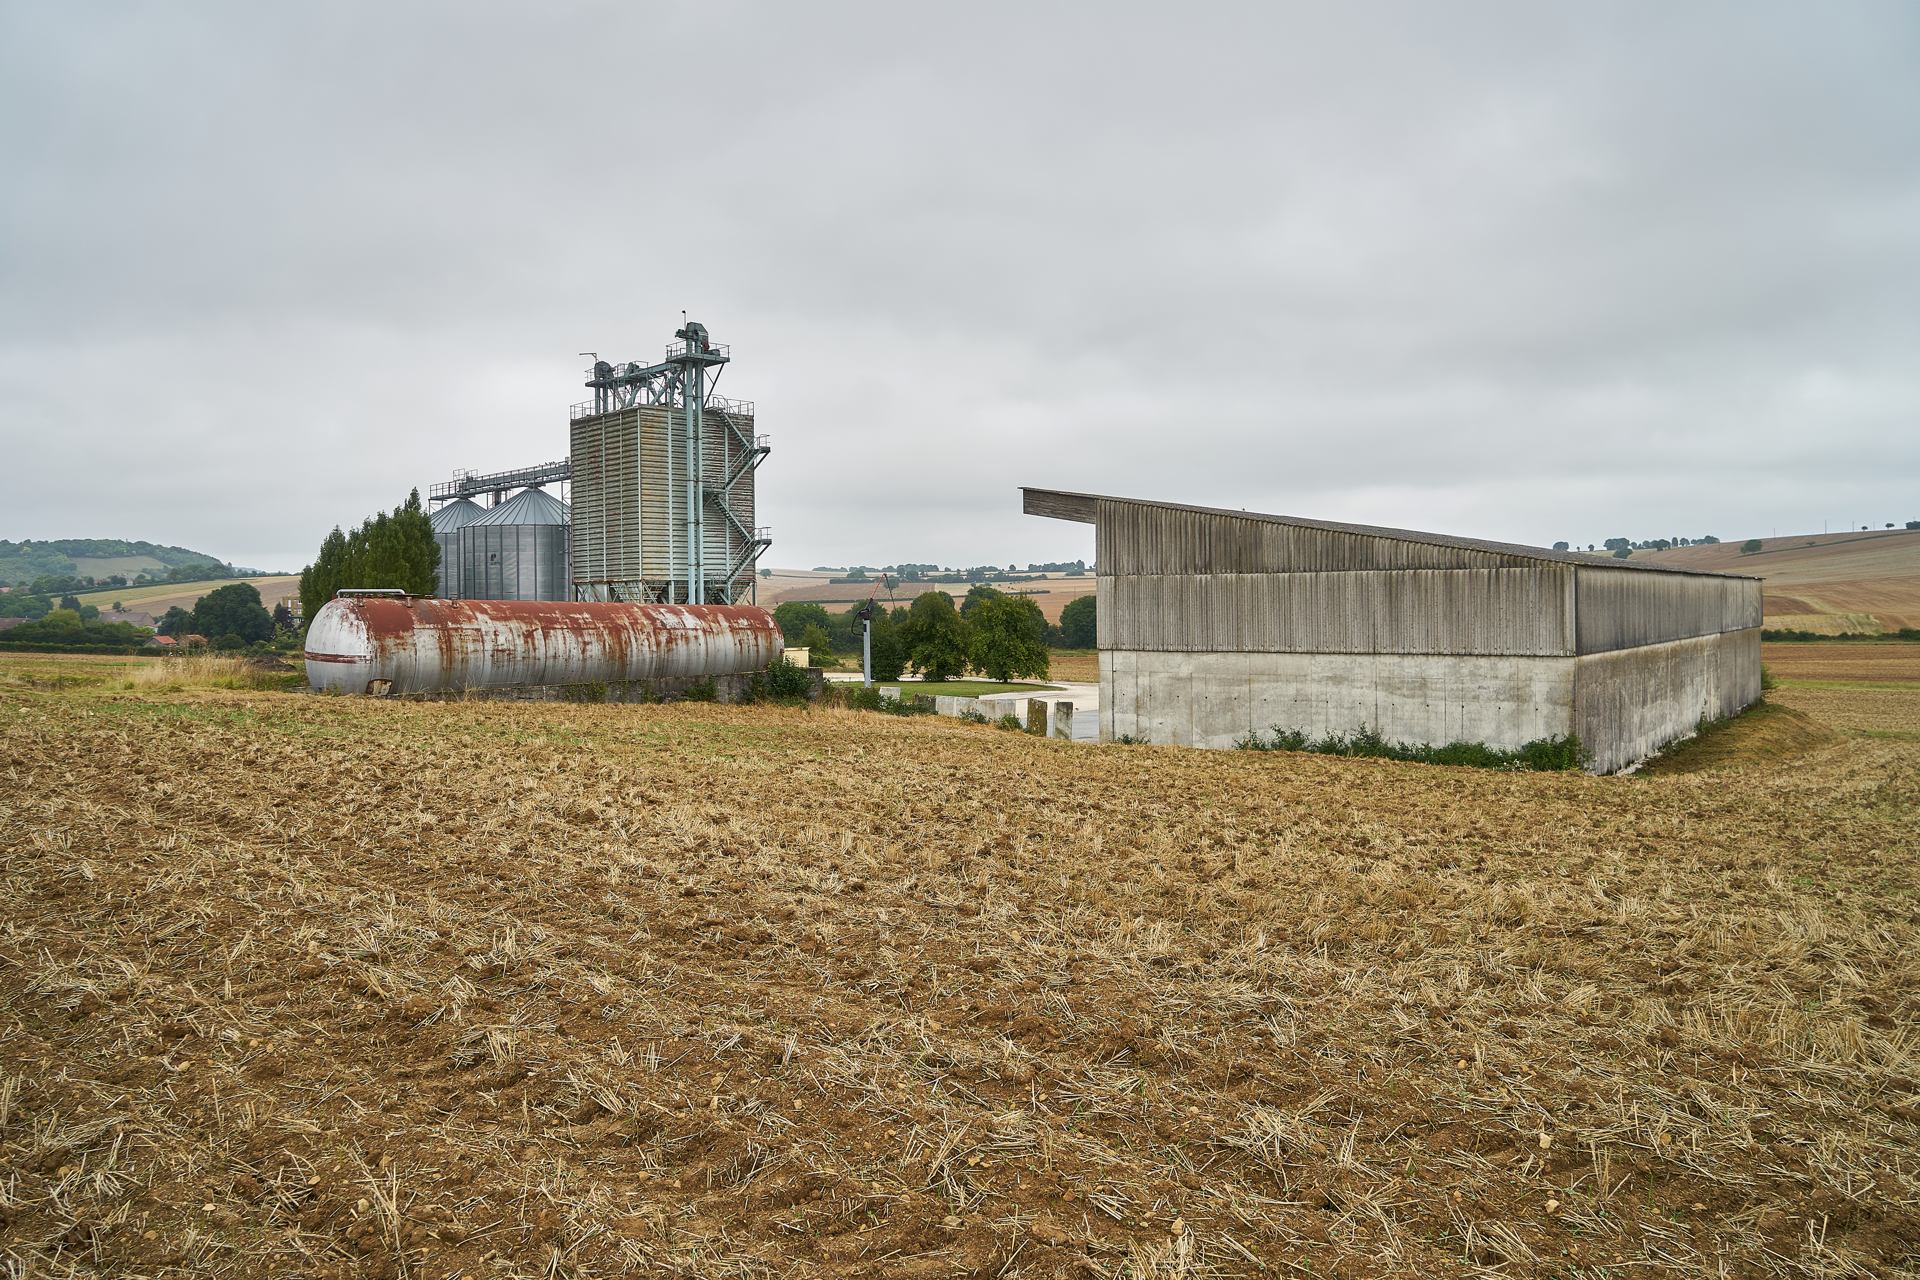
30	558
157	597
1863	580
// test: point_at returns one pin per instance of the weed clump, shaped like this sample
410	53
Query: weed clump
1544	755
860	698
782	683
206	671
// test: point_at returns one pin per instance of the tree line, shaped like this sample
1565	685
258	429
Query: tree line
391	549
1000	636
229	617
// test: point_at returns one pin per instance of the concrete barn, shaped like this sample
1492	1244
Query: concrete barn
1215	623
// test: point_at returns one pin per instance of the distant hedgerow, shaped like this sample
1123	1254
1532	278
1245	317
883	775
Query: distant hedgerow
1542	754
1790	635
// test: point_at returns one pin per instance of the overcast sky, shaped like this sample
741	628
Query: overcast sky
1518	271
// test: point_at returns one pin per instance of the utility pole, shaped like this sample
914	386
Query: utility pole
866	644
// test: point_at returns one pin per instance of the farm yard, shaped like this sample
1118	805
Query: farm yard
305	986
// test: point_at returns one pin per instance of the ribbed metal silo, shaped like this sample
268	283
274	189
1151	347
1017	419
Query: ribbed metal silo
447	523
517	550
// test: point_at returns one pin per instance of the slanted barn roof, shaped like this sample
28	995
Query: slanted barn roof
1061	504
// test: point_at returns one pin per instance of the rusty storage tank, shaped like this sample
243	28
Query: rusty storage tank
447	523
517	550
389	642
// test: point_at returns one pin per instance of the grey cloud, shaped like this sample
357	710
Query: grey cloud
1499	269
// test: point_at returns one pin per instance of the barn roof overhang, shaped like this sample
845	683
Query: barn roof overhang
1084	508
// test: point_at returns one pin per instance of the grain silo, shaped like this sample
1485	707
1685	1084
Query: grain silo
663	482
517	550
447	522
1214	624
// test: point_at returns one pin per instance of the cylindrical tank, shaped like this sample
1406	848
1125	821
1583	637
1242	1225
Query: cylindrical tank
447	523
394	643
517	550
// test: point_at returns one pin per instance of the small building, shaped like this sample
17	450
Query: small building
1214	624
137	617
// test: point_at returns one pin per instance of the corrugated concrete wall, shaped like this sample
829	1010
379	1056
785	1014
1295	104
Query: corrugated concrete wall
1628	703
1622	608
1439	611
1215	699
1213	625
1131	538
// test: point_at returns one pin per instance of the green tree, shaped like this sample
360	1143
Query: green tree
815	640
935	636
794	617
174	622
326	575
22	604
1007	638
976	594
889	653
1078	620
394	550
1750	546
232	611
66	627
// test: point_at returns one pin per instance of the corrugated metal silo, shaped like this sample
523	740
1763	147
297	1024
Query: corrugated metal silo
517	550
447	523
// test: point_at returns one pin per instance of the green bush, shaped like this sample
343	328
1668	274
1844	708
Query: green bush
860	698
1542	754
782	682
701	692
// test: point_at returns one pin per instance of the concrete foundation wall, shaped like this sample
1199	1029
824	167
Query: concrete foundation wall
1629	703
1214	699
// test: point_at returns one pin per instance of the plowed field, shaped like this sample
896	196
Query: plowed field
305	986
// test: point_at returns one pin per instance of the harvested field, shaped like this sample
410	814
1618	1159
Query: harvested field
1870	689
1881	662
305	986
1856	580
157	598
1078	665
